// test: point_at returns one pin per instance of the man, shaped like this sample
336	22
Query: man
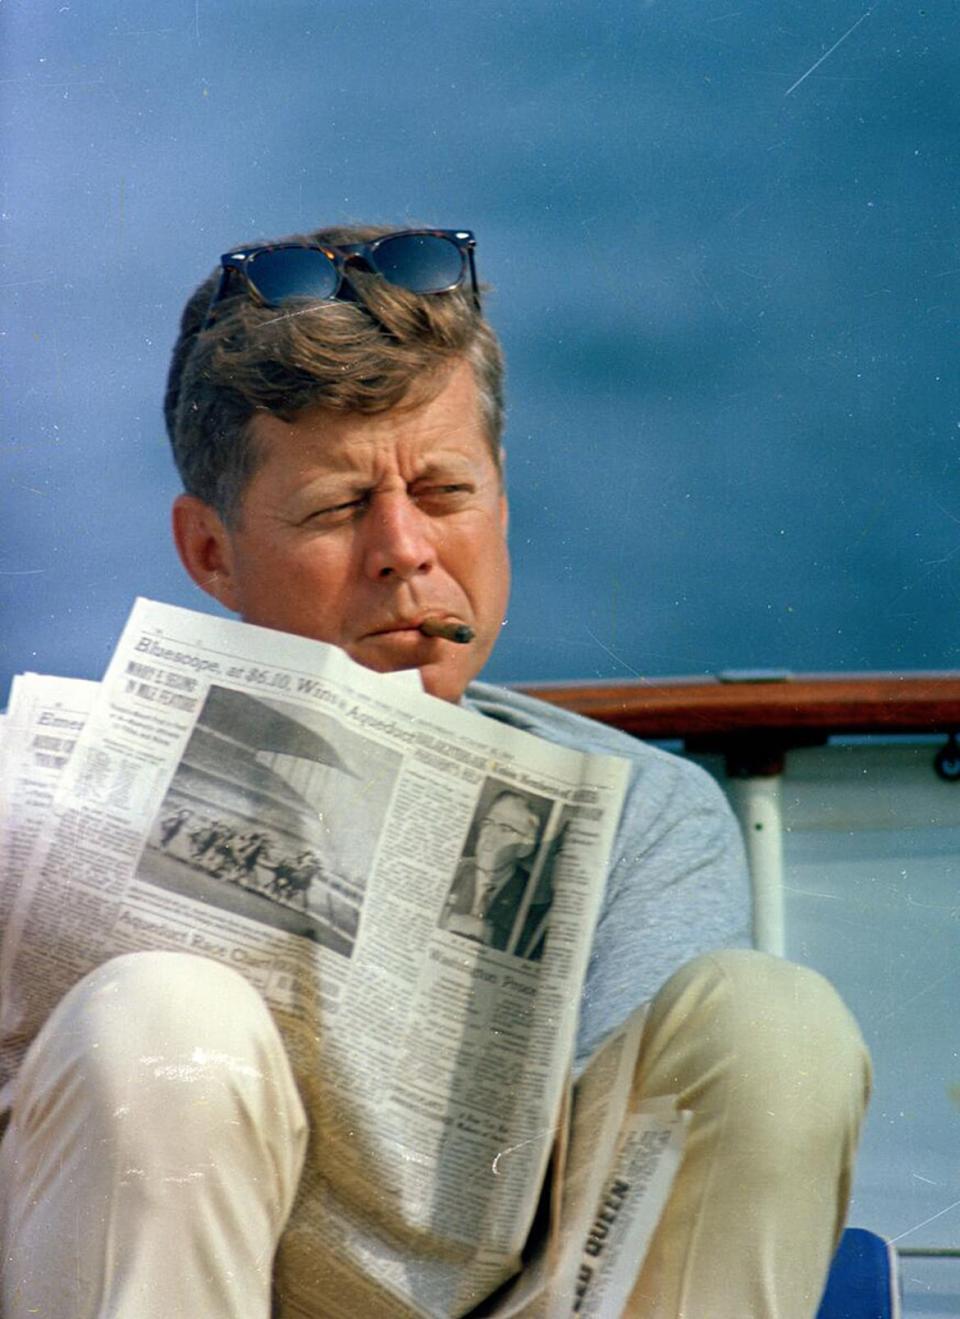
335	410
490	888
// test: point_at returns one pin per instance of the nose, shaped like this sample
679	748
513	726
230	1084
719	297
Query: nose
399	538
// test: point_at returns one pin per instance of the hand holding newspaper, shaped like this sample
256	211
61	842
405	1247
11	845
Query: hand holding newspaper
260	799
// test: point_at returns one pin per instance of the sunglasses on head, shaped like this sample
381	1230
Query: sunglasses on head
419	260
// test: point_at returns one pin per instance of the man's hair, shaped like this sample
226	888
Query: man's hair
387	349
536	811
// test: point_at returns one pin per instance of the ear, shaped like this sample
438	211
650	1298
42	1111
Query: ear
205	548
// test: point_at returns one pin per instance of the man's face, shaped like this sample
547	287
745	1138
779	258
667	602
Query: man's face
356	528
506	834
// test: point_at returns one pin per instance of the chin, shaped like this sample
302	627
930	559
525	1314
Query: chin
445	677
444	683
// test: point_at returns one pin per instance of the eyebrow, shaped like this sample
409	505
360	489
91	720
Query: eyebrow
347	478
454	462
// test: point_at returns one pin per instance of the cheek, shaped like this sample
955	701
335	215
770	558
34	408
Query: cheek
501	589
292	591
490	565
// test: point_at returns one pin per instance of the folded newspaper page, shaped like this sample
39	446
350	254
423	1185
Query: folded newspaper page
262	800
613	1170
43	719
598	1107
41	725
648	1156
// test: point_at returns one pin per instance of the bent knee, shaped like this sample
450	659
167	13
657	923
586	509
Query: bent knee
153	1035
772	1026
149	1005
149	989
762	998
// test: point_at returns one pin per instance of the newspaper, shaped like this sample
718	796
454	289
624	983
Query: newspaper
617	1158
40	730
262	800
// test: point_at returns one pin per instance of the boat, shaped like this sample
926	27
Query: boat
847	789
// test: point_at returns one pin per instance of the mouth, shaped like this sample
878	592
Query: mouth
411	633
425	626
403	628
403	642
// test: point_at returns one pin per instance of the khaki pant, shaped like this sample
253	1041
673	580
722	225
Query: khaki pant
157	1139
777	1076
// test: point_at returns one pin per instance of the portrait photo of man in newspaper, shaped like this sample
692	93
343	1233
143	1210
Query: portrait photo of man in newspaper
177	1143
502	891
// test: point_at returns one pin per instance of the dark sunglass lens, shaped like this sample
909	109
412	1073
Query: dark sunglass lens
293	272
422	263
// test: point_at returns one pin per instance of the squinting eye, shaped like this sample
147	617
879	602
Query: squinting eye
442	494
336	513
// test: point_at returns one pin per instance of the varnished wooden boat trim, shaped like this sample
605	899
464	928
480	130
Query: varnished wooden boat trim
792	711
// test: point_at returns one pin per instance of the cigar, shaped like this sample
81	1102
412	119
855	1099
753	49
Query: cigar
448	629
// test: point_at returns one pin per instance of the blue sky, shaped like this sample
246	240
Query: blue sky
725	256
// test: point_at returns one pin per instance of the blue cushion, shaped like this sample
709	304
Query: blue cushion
863	1281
